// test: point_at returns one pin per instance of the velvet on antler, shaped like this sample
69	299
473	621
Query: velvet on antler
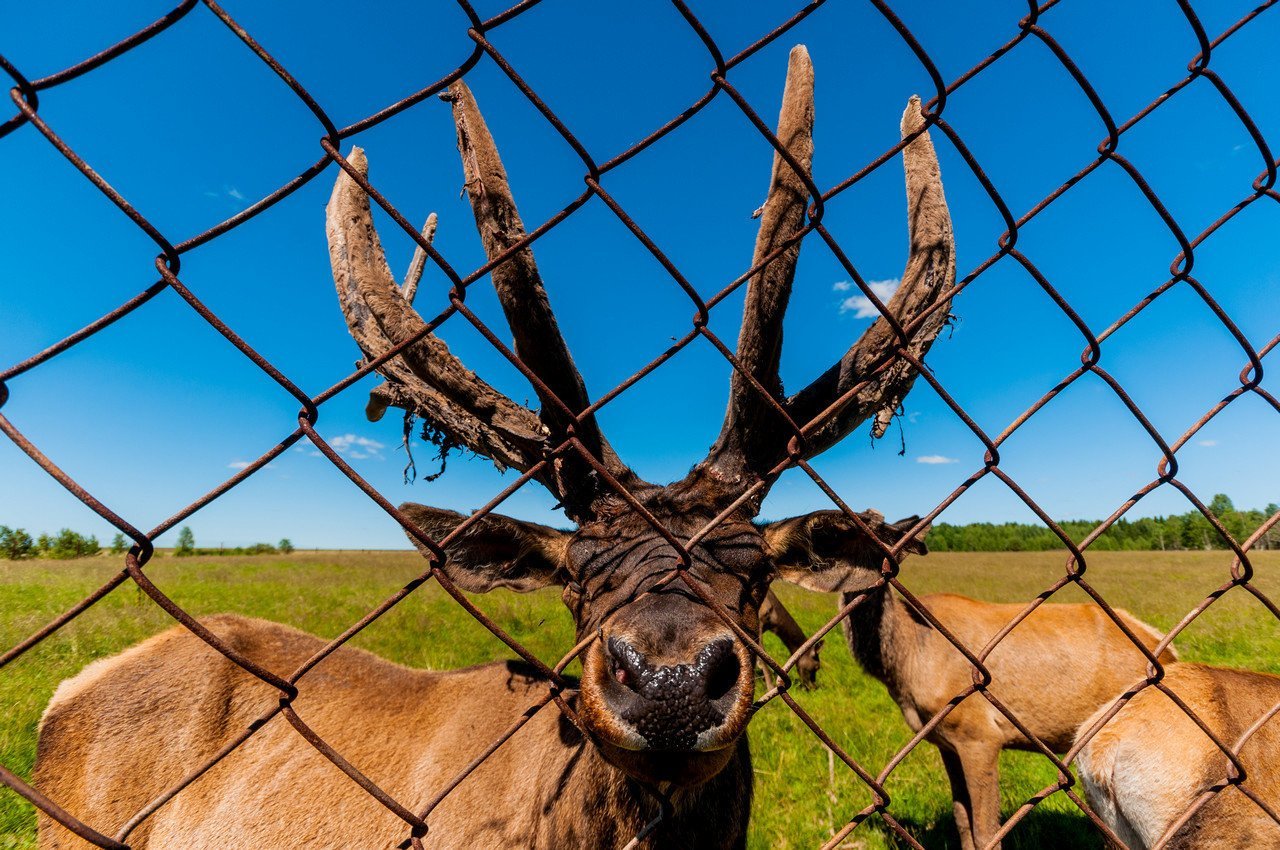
425	378
753	440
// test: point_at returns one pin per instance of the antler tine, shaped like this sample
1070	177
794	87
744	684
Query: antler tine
750	421
425	378
409	288
928	279
384	395
538	341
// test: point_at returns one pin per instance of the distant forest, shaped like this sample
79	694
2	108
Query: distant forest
1181	531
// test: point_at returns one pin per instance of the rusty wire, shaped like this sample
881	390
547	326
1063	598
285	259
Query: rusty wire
25	96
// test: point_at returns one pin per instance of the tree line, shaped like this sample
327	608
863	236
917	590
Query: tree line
1187	531
186	547
17	544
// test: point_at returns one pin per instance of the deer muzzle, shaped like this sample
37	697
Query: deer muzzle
674	707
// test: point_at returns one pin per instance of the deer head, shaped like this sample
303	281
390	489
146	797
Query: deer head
667	687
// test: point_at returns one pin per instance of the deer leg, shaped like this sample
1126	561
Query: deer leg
960	803
980	764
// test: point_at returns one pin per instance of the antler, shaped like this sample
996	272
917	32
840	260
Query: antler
927	281
426	378
751	423
753	440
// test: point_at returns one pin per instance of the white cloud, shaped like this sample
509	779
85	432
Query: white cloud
227	192
1207	443
935	459
860	305
913	417
357	447
842	286
244	464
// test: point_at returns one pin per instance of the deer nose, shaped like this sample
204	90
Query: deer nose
672	706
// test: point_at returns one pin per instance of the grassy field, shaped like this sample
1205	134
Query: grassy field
798	802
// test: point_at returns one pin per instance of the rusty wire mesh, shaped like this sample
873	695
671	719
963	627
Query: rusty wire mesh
25	95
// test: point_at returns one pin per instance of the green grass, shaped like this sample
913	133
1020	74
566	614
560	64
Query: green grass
798	802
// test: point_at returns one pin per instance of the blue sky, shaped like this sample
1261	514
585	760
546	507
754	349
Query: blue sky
192	128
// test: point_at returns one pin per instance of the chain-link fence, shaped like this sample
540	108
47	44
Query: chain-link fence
1036	25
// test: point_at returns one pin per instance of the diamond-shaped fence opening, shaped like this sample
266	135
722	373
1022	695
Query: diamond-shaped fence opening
1236	796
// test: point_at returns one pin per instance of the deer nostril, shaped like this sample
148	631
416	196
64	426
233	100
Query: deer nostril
625	663
721	670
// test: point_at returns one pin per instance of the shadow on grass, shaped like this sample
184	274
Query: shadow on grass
1039	830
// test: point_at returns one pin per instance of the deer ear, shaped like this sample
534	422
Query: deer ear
494	551
826	551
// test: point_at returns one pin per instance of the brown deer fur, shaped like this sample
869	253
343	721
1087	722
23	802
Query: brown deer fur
1052	671
409	730
667	684
1150	763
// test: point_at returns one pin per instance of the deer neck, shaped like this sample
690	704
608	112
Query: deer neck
591	803
786	628
877	630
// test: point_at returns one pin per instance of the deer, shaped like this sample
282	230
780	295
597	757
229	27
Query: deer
1052	670
774	617
1158	779
646	747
